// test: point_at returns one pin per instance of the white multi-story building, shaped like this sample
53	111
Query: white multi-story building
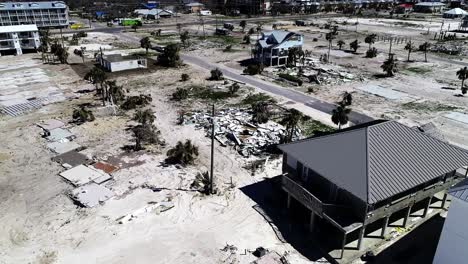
18	38
44	14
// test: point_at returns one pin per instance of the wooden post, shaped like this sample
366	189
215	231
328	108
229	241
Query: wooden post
312	222
408	213
426	209
343	245
361	237
444	200
384	227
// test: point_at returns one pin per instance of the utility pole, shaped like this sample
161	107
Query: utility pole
390	49
212	147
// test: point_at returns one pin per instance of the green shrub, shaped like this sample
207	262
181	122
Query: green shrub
290	78
180	94
185	77
253	69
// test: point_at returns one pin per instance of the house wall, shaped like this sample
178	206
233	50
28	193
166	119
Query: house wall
323	189
453	242
125	65
42	14
19	41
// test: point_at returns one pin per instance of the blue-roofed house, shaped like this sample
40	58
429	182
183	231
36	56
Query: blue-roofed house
273	47
453	241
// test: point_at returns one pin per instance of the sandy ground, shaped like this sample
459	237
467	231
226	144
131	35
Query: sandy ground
42	225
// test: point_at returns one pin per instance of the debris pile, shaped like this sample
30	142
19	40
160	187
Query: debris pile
450	48
87	178
233	127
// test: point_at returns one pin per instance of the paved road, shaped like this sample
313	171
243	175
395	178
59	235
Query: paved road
292	95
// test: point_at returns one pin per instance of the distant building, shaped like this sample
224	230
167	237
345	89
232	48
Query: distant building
194	7
453	242
18	38
428	7
43	14
250	7
117	62
205	13
153	13
273	46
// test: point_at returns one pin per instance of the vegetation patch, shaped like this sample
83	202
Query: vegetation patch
290	78
312	127
418	70
210	94
257	98
428	106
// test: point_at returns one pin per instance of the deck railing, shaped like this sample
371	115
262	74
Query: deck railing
302	195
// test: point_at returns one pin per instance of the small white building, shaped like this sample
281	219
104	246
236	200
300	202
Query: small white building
205	13
19	38
117	62
453	242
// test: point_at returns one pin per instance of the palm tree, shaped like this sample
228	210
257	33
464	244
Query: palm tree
354	45
347	99
291	121
115	92
409	47
183	153
184	36
329	36
144	117
424	48
146	44
82	53
462	75
97	76
340	44
370	39
261	113
389	66
340	115
243	24
202	183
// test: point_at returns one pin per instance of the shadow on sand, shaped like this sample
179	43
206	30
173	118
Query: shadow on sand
289	227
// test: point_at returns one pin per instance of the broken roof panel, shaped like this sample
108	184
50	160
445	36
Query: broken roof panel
378	160
60	134
82	174
91	194
62	147
50	124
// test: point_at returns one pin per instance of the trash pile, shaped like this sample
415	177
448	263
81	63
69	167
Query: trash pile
312	71
233	127
450	48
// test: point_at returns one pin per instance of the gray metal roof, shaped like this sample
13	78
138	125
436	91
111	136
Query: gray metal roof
32	5
460	190
378	160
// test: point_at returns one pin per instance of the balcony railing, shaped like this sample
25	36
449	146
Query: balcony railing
302	195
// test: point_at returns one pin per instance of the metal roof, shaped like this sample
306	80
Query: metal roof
377	160
32	5
19	28
460	190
